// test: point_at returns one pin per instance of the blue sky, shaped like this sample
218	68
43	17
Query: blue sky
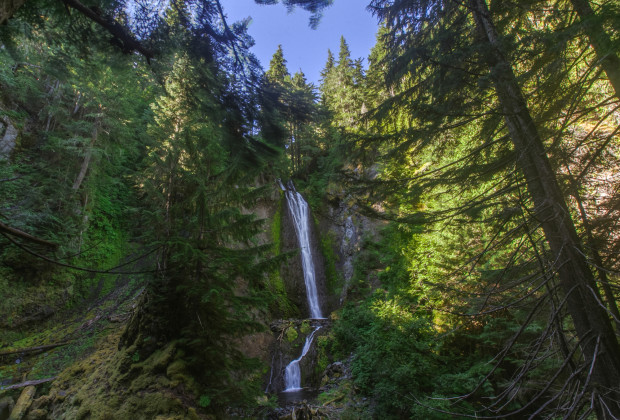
303	47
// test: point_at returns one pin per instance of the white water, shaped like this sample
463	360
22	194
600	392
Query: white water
292	374
300	211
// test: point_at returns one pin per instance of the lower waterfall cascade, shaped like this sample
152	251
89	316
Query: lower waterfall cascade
292	373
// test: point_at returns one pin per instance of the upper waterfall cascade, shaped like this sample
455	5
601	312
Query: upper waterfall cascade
301	218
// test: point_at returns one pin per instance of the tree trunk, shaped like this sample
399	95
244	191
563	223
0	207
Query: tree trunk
87	156
601	43
8	9
583	303
596	258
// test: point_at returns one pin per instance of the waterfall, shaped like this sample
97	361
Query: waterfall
300	214
292	374
301	219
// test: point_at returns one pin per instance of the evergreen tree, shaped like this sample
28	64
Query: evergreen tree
344	56
601	41
341	87
329	65
291	105
436	91
196	189
277	74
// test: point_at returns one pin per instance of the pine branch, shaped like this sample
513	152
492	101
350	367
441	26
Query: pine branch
120	33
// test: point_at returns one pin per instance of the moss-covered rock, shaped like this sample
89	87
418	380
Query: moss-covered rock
291	334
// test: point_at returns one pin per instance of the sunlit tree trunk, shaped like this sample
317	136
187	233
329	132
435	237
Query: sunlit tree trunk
601	42
597	339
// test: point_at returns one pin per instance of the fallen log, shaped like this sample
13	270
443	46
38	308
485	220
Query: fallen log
28	383
23	403
333	400
16	232
33	349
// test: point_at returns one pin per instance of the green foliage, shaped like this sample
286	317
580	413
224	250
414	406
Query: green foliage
115	159
204	401
277	72
342	88
195	186
291	334
394	353
289	111
324	346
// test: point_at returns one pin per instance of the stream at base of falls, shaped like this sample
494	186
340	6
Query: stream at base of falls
290	397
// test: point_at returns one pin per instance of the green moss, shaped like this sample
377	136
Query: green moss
323	345
305	327
276	226
291	334
176	370
160	360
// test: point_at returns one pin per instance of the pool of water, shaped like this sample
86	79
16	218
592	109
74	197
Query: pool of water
308	394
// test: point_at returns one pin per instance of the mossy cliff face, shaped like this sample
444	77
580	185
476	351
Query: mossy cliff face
344	229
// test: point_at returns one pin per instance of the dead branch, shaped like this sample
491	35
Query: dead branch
29	383
33	349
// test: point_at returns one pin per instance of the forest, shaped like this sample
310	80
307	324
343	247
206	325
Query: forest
459	188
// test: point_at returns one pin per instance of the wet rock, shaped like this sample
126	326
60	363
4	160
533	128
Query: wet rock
334	373
8	138
61	395
336	369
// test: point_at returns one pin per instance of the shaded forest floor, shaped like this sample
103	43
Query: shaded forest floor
77	350
76	332
43	348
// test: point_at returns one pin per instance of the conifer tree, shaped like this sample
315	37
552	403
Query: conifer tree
329	65
342	86
600	40
439	90
196	189
327	74
291	103
278	74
